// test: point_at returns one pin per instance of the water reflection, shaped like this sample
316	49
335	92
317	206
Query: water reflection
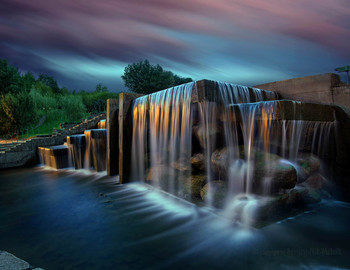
66	220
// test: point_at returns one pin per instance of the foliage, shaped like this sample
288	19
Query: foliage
24	100
49	81
9	78
144	78
96	101
17	112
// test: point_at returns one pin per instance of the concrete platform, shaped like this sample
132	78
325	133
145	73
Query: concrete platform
9	261
54	156
287	110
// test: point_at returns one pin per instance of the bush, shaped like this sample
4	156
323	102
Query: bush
17	112
96	101
72	107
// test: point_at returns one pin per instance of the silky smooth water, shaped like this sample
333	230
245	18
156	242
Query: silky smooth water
236	127
78	220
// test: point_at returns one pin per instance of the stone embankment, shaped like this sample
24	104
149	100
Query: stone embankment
24	153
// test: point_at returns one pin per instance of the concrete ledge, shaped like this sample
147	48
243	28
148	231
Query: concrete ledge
289	110
17	159
207	90
11	262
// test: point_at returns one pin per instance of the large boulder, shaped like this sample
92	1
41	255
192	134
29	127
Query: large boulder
270	172
315	181
193	185
307	164
215	192
198	162
207	135
220	162
271	176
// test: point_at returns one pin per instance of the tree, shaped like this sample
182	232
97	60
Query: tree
144	78
16	112
50	81
27	81
9	78
101	88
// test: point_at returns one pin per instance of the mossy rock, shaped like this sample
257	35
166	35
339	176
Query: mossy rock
193	185
218	192
307	164
198	162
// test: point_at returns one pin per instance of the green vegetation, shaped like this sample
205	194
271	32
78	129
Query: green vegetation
144	78
26	102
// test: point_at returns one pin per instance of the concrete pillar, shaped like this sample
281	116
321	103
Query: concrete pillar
125	135
112	126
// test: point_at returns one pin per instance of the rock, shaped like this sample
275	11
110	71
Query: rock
193	184
219	162
270	172
315	181
313	196
215	193
281	175
166	177
198	162
269	207
181	164
159	172
206	135
307	164
296	196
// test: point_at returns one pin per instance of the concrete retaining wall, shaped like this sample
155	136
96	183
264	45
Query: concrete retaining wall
25	154
324	88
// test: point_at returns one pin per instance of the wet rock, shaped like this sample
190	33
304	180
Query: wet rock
220	162
307	164
159	172
313	196
194	184
315	181
296	196
270	207
198	162
204	135
270	172
166	177
215	193
181	164
281	174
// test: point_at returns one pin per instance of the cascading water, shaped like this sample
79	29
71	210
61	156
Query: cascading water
162	136
77	148
95	153
237	155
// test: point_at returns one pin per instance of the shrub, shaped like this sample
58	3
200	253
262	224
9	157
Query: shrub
17	112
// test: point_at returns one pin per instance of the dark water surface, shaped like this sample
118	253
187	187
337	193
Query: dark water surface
74	220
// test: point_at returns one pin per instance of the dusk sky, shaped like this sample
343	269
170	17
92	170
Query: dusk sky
84	42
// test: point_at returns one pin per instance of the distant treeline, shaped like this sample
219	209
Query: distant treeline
24	100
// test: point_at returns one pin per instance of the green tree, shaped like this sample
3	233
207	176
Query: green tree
9	78
51	82
27	81
17	112
144	78
101	88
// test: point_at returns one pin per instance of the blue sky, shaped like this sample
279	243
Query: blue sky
85	42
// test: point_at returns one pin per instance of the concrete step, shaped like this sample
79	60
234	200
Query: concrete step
283	110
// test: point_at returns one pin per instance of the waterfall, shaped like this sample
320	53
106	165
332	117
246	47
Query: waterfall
162	135
77	148
96	152
233	150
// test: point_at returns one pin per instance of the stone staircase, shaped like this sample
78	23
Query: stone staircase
25	152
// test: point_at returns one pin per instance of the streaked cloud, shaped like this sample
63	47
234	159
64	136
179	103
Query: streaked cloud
248	42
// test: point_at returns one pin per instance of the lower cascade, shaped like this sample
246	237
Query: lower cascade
243	151
81	151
